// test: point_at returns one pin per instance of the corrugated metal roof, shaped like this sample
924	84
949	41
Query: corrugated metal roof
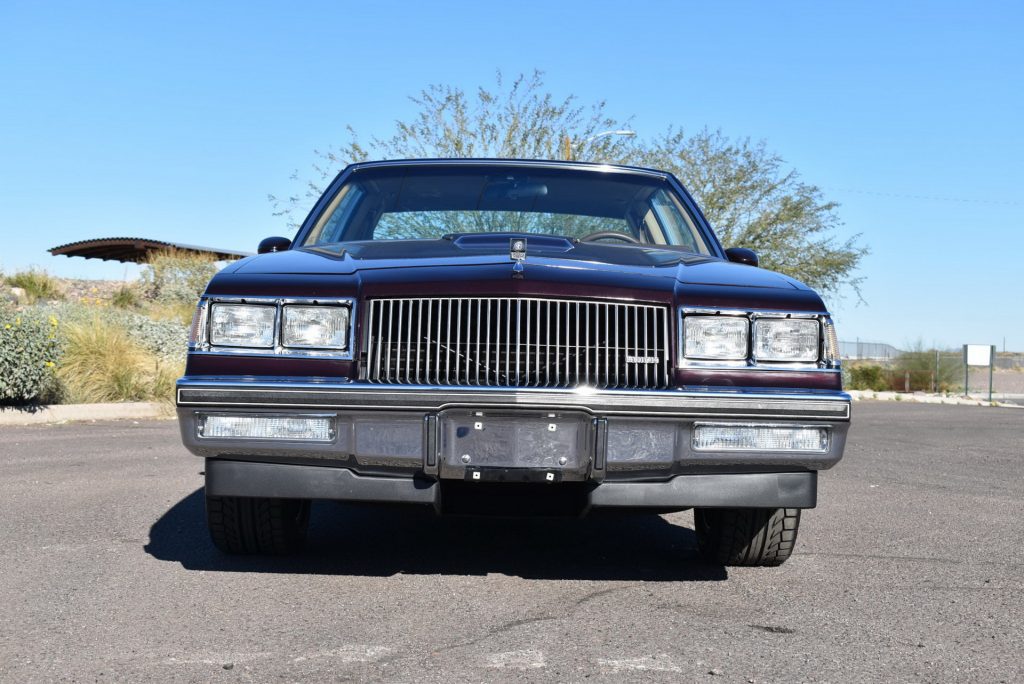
125	249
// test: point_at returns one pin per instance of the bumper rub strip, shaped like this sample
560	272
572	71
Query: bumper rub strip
667	403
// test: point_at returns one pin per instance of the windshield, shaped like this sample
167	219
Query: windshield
430	202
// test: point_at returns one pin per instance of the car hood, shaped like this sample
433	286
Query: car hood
612	265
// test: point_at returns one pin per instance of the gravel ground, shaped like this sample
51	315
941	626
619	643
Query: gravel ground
1003	381
910	570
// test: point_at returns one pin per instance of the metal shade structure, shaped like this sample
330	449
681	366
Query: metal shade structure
136	250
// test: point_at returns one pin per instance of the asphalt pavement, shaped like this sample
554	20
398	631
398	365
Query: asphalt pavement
910	569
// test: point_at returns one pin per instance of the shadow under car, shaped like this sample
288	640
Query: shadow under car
374	540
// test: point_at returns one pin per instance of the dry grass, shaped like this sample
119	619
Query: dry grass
126	297
38	285
101	363
179	312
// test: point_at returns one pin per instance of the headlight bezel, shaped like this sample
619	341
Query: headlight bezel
200	338
827	348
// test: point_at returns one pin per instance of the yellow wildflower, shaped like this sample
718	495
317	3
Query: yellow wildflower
53	321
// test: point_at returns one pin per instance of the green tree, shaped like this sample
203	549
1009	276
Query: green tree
752	200
747	192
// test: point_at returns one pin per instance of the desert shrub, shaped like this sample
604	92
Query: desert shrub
29	350
164	339
167	340
868	377
102	362
174	276
126	297
38	285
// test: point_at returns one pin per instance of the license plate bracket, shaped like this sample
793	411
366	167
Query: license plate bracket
505	445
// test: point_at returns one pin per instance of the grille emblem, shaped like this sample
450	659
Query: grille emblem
641	359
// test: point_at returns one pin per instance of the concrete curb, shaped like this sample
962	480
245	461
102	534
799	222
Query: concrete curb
63	413
916	398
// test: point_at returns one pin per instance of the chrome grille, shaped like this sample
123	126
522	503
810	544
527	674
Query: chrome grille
508	342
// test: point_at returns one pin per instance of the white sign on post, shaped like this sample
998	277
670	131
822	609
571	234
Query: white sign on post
978	354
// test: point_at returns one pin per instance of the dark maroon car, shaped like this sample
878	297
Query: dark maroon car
494	336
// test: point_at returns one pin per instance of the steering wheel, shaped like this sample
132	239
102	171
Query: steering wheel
610	235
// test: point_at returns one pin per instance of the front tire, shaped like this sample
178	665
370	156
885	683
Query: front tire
250	525
746	536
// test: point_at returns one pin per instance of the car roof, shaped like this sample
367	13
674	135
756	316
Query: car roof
515	163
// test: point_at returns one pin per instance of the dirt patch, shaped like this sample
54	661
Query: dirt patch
90	291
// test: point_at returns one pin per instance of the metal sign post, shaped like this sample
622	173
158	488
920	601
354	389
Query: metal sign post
991	368
979	355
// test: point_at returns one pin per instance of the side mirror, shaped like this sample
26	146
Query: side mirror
273	244
742	255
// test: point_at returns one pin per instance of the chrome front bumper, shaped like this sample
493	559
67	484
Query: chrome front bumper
409	431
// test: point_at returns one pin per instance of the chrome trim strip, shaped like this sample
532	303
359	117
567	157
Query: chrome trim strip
762	368
365	396
773	313
592	167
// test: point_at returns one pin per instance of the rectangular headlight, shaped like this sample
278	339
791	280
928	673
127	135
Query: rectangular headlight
739	437
787	339
242	325
715	337
315	327
280	427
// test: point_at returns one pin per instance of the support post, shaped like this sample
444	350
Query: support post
991	368
967	372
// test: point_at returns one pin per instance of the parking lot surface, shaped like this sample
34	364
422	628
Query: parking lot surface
910	569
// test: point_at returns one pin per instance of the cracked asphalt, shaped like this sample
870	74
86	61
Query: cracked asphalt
910	569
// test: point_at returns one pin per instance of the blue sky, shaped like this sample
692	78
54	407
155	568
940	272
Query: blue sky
175	120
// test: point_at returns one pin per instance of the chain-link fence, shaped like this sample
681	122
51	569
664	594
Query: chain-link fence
881	367
877	351
1009	361
908	372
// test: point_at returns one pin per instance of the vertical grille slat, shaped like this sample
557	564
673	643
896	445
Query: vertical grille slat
607	350
627	345
516	342
646	367
507	338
